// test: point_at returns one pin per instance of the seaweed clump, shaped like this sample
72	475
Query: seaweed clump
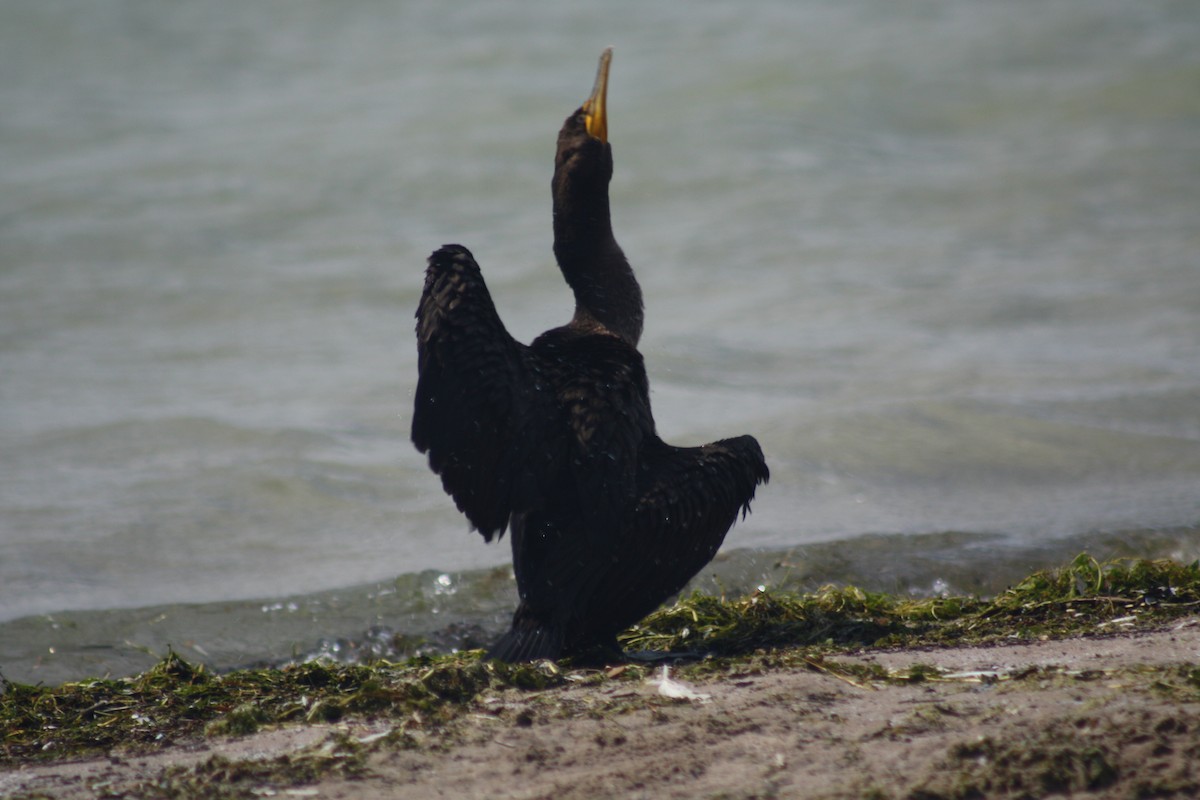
176	700
1085	596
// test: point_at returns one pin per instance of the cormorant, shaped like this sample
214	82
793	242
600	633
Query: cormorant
555	440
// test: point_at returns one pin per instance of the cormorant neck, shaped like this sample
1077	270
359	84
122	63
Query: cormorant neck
606	291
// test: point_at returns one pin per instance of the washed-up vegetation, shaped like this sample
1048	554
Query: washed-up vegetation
1083	597
176	700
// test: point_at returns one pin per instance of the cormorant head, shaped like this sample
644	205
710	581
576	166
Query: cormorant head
583	162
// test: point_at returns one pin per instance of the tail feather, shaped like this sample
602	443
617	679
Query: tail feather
528	640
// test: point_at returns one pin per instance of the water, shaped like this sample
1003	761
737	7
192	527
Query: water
942	259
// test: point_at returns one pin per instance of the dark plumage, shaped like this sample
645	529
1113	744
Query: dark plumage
555	441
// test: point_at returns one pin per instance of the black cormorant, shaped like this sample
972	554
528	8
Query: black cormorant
555	441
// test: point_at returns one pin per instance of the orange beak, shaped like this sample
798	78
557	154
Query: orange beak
595	112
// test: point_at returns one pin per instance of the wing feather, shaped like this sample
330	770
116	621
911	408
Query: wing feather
688	499
474	391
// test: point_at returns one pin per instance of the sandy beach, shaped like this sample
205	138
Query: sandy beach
1107	716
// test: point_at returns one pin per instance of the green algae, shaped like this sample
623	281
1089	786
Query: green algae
176	700
1083	597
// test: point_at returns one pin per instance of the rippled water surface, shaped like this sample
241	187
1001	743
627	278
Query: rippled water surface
941	258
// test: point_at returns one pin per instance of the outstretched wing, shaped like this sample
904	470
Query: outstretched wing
688	499
474	391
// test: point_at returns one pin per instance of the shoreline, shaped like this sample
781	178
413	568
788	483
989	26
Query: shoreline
416	613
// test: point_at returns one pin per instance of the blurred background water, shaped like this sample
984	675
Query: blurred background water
942	258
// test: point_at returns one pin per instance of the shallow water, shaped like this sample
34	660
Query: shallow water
941	259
